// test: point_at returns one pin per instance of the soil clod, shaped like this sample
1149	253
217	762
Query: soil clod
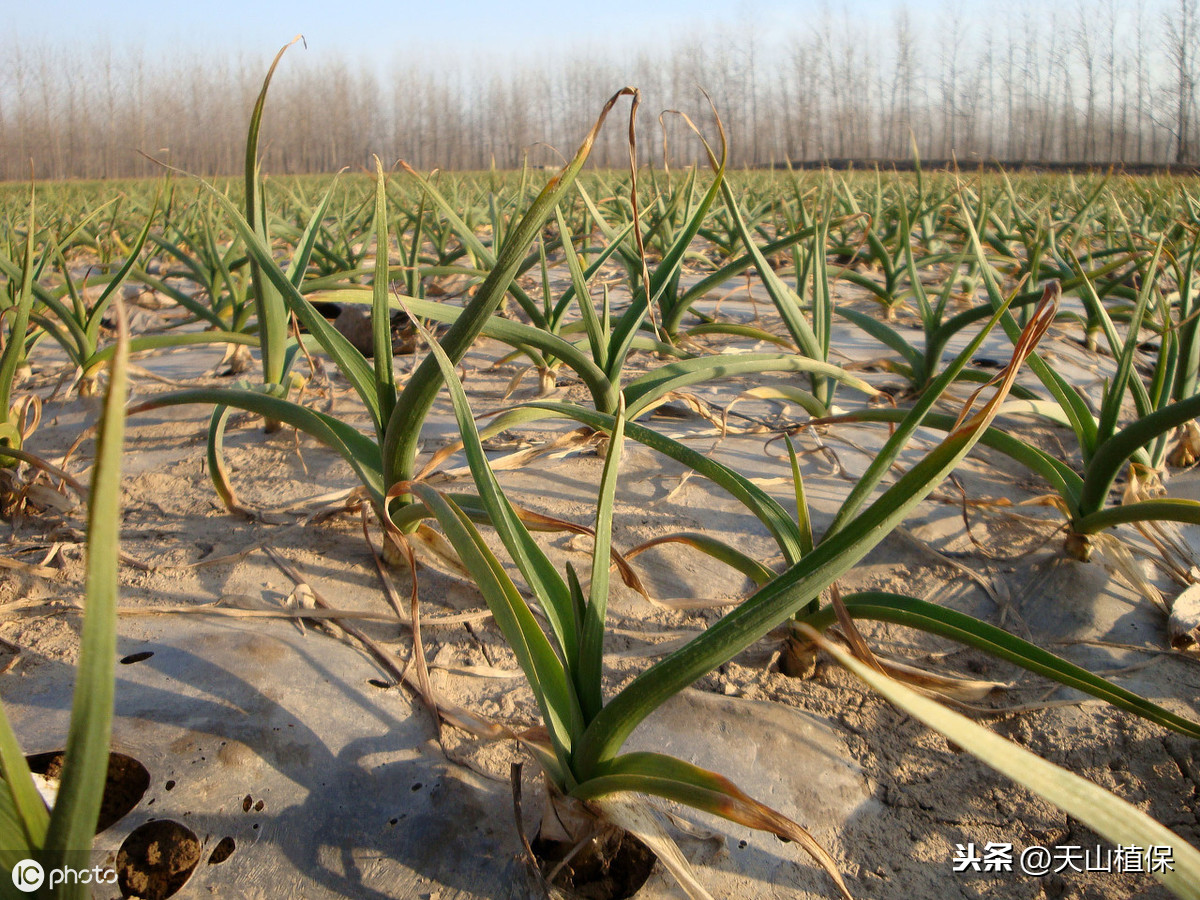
612	866
124	787
156	860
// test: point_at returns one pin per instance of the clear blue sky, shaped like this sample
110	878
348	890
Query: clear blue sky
383	31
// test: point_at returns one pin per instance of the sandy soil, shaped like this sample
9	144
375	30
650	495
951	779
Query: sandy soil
343	814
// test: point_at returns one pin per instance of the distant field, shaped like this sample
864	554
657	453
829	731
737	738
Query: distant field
935	414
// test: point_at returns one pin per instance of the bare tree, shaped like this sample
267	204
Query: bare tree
1182	31
1085	46
904	73
1081	83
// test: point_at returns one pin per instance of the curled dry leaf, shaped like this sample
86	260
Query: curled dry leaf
1117	557
636	816
1183	628
1186	451
49	499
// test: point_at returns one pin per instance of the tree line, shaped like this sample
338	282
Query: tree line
1102	81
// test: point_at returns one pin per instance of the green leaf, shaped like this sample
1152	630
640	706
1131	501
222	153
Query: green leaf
768	511
1067	396
730	269
711	546
400	444
589	675
642	392
543	669
1061	477
15	843
25	816
789	393
885	334
158	341
785	299
596	332
540	574
1167	509
770	605
14	347
881	606
357	449
803	519
308	238
1112	455
381	318
85	766
896	442
673	779
197	308
268	305
564	302
1114	396
735	329
95	315
1105	813
351	363
515	334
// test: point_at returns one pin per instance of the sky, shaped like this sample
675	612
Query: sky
386	30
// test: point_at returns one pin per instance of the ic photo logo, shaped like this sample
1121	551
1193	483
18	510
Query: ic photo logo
28	875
